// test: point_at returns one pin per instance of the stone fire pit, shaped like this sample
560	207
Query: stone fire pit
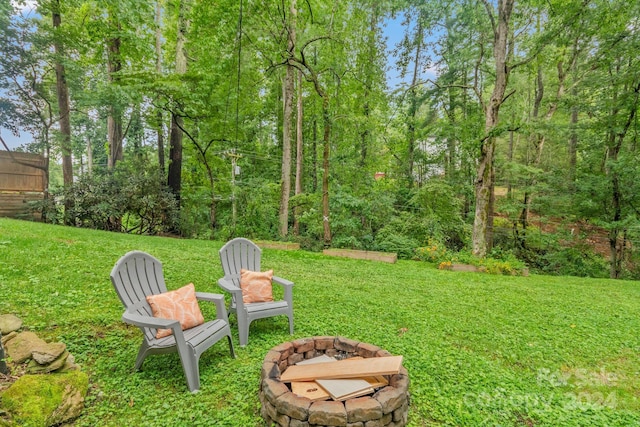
386	407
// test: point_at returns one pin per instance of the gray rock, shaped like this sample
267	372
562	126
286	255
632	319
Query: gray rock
48	352
35	368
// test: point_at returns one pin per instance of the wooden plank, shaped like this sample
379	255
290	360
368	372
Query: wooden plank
368	255
320	359
369	367
345	388
377	381
309	389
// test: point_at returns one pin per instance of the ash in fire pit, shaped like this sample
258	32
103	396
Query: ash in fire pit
386	404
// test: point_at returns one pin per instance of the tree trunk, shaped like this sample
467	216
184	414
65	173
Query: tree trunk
62	91
287	121
299	155
314	157
159	118
114	119
616	138
325	172
89	156
573	143
538	142
484	172
413	109
174	176
285	177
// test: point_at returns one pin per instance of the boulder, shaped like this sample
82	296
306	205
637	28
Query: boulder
22	345
36	368
69	365
8	337
9	323
45	400
48	352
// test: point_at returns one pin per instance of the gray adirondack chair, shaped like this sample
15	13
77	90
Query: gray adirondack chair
138	274
242	253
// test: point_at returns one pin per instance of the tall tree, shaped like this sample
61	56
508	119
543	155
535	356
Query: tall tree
484	185
174	177
287	120
64	108
159	115
114	69
299	152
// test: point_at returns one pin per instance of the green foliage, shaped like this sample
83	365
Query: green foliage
574	261
498	262
355	219
258	204
402	233
480	349
576	59
129	200
402	245
435	217
441	212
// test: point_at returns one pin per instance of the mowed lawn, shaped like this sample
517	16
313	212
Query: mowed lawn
480	349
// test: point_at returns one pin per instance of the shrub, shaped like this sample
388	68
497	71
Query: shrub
434	252
439	211
128	199
497	263
401	245
574	261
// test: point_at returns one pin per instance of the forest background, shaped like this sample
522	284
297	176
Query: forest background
274	120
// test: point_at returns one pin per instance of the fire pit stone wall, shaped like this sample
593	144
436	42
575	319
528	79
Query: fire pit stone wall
387	407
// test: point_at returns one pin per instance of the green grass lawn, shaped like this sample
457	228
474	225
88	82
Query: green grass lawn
480	349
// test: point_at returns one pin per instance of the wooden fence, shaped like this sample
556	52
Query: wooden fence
20	183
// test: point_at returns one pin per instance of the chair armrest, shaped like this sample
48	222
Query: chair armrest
287	285
228	286
149	321
218	300
282	282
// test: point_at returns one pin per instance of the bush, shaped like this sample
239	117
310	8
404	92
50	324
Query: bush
257	207
435	252
356	218
403	246
440	212
499	262
128	200
578	261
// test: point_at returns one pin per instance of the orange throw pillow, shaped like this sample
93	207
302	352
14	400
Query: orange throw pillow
256	286
180	305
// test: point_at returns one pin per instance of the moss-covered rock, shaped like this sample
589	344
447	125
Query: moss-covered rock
45	400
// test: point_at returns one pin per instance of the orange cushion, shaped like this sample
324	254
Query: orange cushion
256	286
180	305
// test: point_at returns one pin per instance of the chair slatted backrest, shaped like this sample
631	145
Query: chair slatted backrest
237	254
136	275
